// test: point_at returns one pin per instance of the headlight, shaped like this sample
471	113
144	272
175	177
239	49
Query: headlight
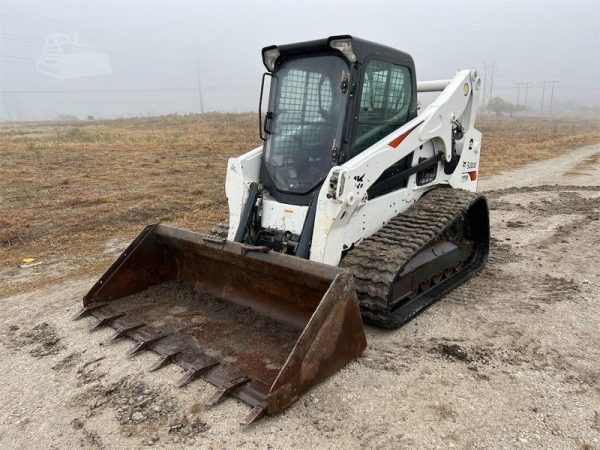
270	57
344	46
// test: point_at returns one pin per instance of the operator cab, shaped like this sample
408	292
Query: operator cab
329	100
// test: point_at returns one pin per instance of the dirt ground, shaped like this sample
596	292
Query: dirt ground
510	359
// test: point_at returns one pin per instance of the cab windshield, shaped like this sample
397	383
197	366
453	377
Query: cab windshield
308	103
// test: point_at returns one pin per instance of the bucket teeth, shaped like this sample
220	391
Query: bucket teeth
257	413
195	372
88	309
123	331
227	388
106	320
214	239
145	344
164	361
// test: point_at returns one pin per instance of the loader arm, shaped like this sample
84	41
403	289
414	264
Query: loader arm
346	214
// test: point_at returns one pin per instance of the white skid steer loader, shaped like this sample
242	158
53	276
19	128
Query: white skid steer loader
357	206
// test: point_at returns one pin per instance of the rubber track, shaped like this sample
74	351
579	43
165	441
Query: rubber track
378	259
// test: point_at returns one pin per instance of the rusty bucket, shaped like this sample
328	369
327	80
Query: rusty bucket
259	325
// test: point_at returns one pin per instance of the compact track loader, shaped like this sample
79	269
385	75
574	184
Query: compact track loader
359	205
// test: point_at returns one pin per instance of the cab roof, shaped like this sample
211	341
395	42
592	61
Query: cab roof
361	48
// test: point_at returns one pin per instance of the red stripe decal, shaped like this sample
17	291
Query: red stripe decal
396	142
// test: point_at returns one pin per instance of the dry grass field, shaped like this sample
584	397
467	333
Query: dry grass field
68	189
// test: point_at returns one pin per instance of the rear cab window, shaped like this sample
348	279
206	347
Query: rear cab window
384	103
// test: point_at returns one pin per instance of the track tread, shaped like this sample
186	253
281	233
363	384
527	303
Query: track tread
376	261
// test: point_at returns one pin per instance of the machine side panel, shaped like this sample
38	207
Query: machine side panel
241	172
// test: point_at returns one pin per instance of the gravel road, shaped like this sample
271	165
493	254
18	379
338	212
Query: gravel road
509	360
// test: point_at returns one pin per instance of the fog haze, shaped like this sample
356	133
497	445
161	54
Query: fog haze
160	51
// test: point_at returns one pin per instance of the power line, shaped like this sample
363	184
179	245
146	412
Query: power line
123	91
544	74
99	91
587	88
130	100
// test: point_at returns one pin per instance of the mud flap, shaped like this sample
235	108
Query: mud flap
261	326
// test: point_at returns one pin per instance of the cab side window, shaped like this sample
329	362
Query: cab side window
384	103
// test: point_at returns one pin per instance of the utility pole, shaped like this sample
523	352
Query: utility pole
199	80
543	95
488	83
526	86
492	80
485	83
552	94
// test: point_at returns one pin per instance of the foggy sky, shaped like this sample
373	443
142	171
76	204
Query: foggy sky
156	47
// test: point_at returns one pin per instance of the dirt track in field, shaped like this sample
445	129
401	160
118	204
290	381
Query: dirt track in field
510	359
